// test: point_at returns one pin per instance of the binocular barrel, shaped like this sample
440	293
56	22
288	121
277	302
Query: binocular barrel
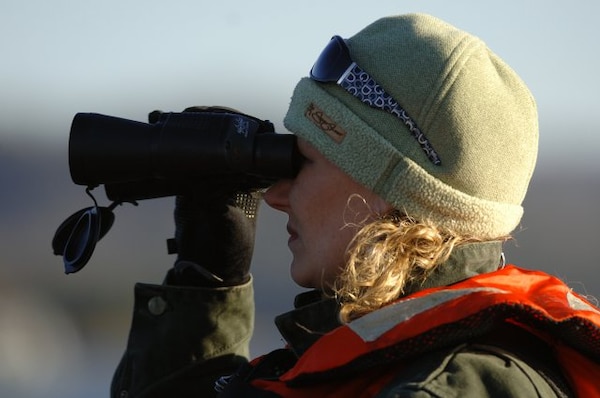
179	152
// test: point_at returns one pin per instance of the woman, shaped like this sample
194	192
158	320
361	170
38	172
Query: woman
418	145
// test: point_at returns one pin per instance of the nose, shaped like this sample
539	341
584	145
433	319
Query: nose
277	196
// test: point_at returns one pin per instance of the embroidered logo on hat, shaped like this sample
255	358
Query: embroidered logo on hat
325	123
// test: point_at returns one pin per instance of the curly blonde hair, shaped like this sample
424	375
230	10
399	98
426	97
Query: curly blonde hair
385	256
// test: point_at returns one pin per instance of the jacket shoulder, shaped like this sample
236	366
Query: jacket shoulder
471	370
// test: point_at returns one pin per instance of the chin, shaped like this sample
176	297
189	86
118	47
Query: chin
301	278
303	282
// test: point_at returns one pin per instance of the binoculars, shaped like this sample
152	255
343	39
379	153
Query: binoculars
199	149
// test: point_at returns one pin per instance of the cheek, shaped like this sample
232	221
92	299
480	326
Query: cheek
332	256
320	251
340	238
331	235
324	207
312	198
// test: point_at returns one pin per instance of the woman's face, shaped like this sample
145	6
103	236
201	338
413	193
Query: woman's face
322	203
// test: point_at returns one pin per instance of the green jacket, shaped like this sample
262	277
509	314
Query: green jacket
183	339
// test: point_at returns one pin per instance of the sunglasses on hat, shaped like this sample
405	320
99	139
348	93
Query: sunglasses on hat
335	65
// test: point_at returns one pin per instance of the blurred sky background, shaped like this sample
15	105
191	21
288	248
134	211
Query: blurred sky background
61	336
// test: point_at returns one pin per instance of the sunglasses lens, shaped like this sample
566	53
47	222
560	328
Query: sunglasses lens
82	241
333	61
76	237
63	232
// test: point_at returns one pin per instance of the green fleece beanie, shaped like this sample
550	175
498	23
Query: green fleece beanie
474	110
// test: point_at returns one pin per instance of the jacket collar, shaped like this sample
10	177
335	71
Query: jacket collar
315	315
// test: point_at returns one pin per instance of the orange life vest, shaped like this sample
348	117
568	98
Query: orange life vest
348	360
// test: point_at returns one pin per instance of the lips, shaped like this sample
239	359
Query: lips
293	234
